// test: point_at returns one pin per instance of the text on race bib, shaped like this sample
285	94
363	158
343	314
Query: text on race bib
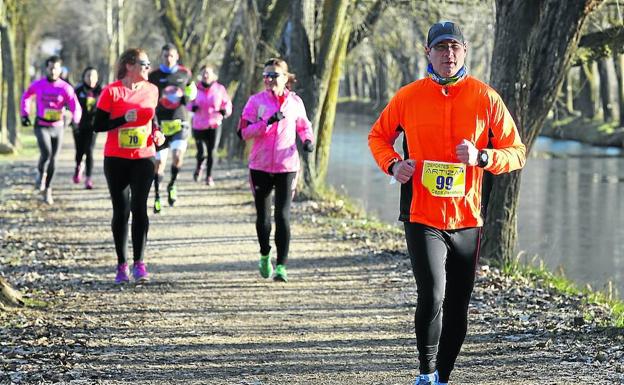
133	137
52	114
90	103
444	179
171	127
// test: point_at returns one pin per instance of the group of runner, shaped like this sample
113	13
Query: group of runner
177	93
454	128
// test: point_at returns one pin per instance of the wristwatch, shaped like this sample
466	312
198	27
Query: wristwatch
482	158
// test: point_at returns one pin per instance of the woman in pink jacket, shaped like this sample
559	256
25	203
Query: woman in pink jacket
211	105
273	118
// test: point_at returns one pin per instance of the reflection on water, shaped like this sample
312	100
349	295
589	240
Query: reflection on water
569	210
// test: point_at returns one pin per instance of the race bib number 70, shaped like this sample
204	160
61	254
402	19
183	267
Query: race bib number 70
133	137
444	179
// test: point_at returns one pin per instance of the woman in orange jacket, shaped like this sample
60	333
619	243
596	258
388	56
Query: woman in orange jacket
455	128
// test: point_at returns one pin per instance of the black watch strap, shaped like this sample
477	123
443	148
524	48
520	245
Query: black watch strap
482	158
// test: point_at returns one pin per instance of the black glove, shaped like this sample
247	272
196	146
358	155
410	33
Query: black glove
276	117
184	100
222	112
195	108
73	126
308	146
26	121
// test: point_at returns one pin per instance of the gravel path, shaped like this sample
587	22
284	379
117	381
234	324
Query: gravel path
206	316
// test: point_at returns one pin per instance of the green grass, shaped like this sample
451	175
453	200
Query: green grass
532	272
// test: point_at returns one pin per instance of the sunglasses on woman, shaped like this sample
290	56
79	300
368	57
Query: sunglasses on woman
272	75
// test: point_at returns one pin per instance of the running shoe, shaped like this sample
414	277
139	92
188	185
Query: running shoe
210	181
40	182
280	274
77	178
427	379
265	266
89	183
157	205
47	196
123	275
172	194
139	271
197	173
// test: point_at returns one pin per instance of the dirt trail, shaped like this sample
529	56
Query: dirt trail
206	316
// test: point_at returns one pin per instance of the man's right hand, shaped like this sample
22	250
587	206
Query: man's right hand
403	170
26	121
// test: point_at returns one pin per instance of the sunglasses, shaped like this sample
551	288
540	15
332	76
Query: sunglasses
272	75
145	63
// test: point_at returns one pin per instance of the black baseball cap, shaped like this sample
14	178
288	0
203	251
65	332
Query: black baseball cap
444	30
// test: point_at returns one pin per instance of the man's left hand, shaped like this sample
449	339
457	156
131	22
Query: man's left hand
467	153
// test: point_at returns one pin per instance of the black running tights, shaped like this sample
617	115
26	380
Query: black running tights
49	140
206	141
444	264
129	182
85	141
262	183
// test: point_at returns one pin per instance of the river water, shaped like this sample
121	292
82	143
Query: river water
569	209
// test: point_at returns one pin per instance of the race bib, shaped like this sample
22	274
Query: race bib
444	179
52	114
133	137
90	103
171	127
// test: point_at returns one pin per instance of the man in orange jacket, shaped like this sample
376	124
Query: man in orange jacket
455	127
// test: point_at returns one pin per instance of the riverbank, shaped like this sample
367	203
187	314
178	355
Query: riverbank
346	317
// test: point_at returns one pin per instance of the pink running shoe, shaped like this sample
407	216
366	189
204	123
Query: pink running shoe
210	181
77	178
89	183
139	271
122	274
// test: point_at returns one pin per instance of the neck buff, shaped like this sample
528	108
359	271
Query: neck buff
168	70
446	81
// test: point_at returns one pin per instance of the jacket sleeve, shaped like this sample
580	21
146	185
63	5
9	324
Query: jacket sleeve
508	152
304	127
25	101
383	134
74	105
255	126
226	103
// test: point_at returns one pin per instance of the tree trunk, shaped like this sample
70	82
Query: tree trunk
321	92
9	296
586	99
9	85
618	61
246	46
568	92
605	84
237	70
518	67
328	115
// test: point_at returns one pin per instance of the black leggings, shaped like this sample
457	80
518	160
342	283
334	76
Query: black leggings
261	184
49	140
206	141
85	141
129	182
444	264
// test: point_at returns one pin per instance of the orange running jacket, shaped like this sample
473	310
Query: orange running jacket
434	120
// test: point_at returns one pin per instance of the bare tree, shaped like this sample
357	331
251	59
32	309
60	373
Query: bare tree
551	35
